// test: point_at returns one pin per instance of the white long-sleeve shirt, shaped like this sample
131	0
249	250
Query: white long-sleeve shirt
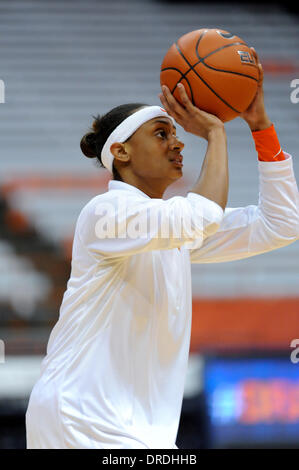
116	361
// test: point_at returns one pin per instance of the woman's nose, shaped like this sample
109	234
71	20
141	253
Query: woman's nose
177	143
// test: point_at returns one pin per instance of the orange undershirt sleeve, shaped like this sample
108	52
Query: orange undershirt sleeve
267	145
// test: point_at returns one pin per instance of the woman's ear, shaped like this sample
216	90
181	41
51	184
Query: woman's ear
119	152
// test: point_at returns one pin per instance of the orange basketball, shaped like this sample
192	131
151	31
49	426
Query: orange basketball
217	69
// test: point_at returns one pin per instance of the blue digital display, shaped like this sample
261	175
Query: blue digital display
252	401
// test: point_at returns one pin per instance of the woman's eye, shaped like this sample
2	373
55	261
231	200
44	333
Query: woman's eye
162	133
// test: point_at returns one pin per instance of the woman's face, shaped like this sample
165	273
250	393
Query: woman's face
152	150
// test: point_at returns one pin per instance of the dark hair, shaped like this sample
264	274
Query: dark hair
92	143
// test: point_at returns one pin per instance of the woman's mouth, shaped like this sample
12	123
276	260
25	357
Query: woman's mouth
178	161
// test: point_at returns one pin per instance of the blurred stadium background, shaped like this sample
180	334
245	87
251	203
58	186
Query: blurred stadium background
63	62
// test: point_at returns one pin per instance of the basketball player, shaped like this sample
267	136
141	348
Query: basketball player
114	373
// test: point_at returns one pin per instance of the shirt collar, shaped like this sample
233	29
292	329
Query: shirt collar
114	184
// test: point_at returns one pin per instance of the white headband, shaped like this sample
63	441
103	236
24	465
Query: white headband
127	127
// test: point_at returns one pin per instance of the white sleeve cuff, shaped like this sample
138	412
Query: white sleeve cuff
269	168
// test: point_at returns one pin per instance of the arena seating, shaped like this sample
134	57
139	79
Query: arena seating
63	63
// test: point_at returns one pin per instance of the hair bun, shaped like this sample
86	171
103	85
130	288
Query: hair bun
88	145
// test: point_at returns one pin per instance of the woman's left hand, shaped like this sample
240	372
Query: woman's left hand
255	115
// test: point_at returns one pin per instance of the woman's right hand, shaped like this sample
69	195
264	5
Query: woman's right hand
191	118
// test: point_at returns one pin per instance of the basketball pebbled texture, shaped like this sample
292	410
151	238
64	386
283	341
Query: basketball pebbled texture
217	69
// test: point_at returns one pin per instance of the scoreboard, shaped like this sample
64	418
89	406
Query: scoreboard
252	401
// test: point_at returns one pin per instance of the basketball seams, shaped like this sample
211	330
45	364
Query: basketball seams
183	76
202	59
199	39
207	85
228	71
220	49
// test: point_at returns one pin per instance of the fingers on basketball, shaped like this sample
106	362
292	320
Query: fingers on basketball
259	65
184	98
174	108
